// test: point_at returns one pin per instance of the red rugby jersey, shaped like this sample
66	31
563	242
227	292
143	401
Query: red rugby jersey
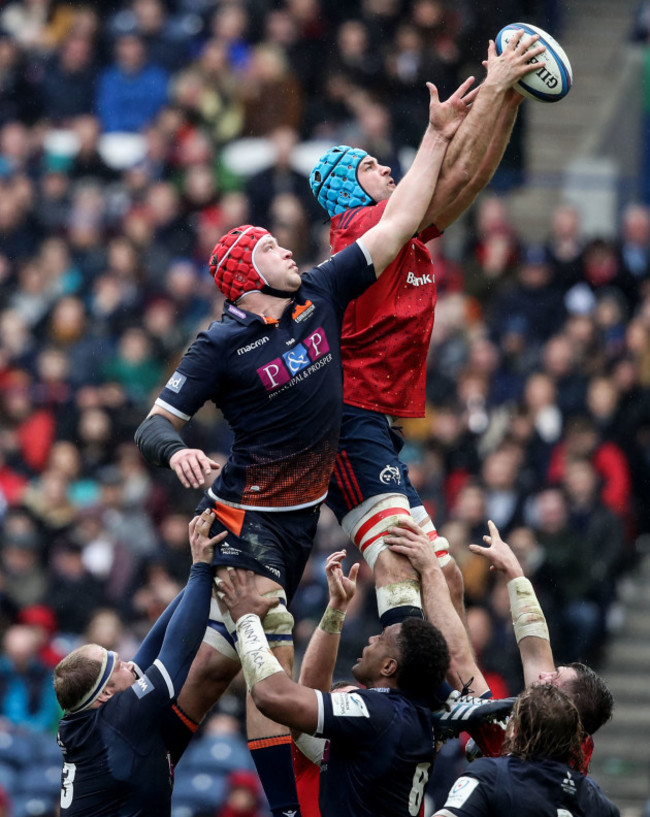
386	331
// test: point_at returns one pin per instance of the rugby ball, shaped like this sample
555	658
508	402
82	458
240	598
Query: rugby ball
554	79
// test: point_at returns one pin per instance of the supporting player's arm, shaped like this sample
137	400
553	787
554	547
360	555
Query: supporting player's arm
528	619
408	539
319	661
160	443
468	148
274	693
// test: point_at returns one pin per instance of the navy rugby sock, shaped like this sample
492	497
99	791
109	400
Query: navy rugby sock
397	614
272	758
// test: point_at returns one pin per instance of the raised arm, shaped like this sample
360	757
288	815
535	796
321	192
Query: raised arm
408	539
186	627
491	161
528	619
319	661
274	693
407	205
485	127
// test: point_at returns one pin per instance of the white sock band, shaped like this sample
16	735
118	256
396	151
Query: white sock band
399	594
527	616
257	660
440	544
367	523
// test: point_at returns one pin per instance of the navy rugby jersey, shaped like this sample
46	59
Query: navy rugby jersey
380	753
279	387
117	758
540	788
115	762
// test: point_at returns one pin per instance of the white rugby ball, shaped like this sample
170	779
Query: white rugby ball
554	79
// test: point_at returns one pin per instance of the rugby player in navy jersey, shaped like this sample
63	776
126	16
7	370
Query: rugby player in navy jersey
586	688
537	776
123	731
381	743
272	365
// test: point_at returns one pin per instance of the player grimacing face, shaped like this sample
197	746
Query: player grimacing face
375	179
276	265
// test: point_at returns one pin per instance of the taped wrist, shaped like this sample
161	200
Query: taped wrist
527	615
158	440
257	660
332	621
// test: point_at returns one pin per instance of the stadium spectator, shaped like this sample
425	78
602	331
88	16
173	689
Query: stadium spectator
131	91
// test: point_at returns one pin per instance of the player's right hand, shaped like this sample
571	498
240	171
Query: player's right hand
341	587
408	538
193	467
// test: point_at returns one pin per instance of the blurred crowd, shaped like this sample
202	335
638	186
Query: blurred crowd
115	119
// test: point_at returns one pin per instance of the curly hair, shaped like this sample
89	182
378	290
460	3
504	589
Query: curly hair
424	659
591	695
545	723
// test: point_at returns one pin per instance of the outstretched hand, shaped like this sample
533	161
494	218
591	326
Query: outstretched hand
518	58
341	587
445	117
498	553
237	590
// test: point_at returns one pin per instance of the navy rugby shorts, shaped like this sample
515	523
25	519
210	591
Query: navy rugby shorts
367	462
275	544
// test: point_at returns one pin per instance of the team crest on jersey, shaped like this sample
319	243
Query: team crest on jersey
349	705
176	382
291	364
302	311
142	687
390	475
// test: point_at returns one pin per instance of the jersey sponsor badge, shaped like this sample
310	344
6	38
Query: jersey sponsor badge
142	686
349	705
460	791
176	382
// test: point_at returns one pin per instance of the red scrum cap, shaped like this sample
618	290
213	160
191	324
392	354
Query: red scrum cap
232	263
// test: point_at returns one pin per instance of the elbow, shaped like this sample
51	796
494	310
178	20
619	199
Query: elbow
267	701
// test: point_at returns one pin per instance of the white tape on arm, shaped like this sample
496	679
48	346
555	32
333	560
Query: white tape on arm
527	615
257	660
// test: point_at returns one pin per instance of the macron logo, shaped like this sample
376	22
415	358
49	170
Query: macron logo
419	281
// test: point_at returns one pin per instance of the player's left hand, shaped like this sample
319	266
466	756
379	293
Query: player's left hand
408	538
341	587
498	553
238	592
445	117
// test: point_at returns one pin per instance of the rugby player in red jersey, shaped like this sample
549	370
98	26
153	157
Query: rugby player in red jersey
387	330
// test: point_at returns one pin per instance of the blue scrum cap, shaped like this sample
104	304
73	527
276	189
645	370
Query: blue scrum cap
334	180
